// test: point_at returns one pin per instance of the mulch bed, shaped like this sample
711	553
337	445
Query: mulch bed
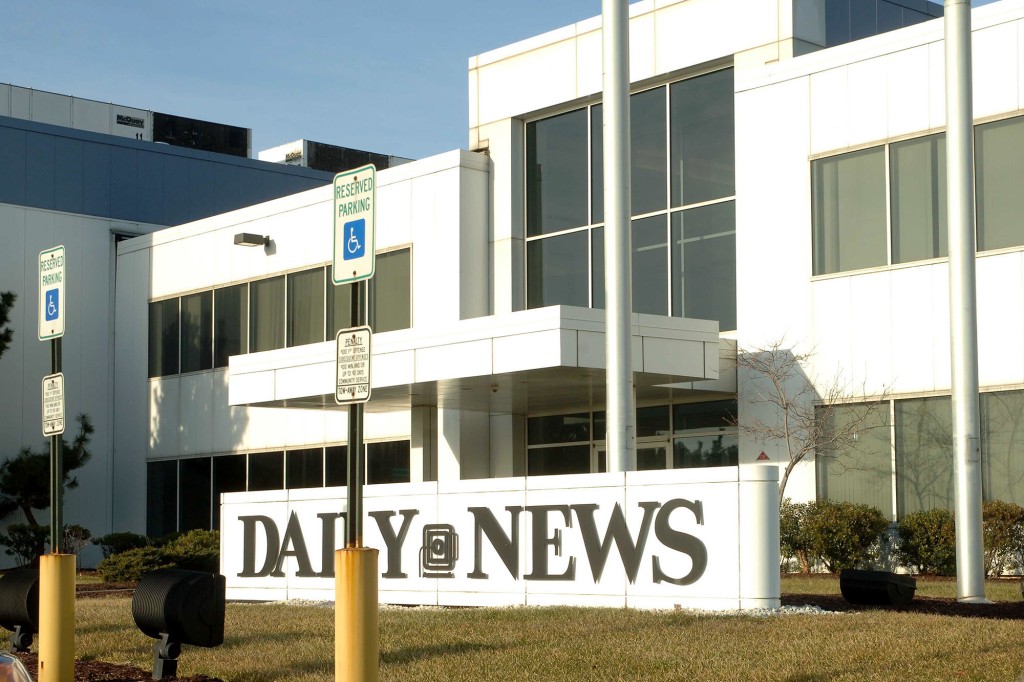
94	671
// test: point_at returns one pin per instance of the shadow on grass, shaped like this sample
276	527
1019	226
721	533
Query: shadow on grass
930	605
414	654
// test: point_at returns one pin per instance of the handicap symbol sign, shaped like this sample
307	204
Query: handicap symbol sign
52	304
355	239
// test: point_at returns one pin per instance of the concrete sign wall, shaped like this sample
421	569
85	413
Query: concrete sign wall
704	538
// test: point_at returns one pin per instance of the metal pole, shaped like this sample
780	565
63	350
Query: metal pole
354	517
56	465
617	244
970	572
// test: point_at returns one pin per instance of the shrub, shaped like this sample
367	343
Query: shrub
115	543
129	565
793	542
928	542
842	534
75	539
25	542
196	550
1003	529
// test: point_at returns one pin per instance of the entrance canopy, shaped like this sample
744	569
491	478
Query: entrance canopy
524	362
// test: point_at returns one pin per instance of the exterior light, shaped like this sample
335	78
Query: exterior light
19	606
249	239
178	607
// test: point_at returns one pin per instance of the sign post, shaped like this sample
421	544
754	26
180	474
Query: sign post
356	647
56	570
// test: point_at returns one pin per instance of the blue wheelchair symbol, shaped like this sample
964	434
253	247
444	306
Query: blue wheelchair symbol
52	304
355	239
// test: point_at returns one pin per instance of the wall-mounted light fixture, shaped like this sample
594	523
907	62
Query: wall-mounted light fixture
19	606
249	239
178	607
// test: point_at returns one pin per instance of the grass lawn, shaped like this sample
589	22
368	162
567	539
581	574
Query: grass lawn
291	642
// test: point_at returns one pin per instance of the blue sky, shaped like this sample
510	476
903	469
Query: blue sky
384	75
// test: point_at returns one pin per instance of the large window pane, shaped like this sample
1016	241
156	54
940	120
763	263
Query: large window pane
703	147
849	211
648	153
650	458
390	305
565	459
387	462
712	450
197	332
924	455
559	428
266	471
854	458
230	322
652	421
306	307
917	171
266	314
228	477
704	264
1002	446
999	148
556	173
650	265
557	271
161	498
304	468
339	306
715	414
194	511
336	465
163	338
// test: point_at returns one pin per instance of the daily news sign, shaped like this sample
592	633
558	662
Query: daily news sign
706	538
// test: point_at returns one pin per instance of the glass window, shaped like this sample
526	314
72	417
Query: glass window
556	173
230	321
849	211
647	154
650	265
197	332
712	450
387	462
561	428
703	138
228	477
716	414
652	421
1002	446
339	306
390	292
194	510
854	459
163	338
651	458
999	147
266	471
161	498
266	314
336	465
558	271
924	455
917	172
564	459
306	307
304	468
704	263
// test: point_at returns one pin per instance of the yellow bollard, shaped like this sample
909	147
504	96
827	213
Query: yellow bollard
356	648
57	618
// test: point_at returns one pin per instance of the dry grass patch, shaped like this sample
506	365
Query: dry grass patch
278	642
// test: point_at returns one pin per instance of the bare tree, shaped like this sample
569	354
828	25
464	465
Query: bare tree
806	417
7	299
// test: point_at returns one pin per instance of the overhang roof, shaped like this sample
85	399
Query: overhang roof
524	362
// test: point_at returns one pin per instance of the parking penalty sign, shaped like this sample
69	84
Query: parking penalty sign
353	368
53	405
355	211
